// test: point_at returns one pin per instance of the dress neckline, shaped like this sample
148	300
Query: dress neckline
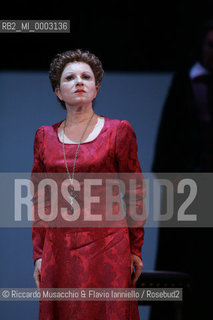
65	143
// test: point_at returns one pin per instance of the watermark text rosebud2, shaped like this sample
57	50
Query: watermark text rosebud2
113	200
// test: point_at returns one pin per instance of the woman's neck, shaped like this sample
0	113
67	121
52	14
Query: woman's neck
80	115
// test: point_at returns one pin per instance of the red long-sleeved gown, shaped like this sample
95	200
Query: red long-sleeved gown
87	257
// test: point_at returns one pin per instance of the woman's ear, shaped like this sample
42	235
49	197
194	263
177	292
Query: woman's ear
58	93
97	89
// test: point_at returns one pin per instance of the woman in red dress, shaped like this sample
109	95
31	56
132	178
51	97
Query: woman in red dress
89	143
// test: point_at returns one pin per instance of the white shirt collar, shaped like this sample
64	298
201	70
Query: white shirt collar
97	129
197	70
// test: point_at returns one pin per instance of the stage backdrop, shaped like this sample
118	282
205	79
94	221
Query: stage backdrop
27	102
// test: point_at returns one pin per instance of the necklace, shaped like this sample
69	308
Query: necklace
72	194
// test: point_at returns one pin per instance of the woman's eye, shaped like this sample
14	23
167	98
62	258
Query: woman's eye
69	78
86	77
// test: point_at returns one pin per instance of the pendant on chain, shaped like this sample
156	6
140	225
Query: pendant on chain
72	197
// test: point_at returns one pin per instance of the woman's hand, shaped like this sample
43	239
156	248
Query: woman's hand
138	264
37	273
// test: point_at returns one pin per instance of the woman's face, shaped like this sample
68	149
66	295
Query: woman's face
77	84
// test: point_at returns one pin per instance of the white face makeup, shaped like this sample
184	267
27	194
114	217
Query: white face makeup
77	85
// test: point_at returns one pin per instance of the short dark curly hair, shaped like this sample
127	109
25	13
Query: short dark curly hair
62	59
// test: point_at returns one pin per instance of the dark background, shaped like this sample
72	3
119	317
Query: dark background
134	36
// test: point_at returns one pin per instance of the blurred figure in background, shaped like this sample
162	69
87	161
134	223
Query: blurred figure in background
185	144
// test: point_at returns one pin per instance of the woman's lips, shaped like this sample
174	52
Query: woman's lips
79	91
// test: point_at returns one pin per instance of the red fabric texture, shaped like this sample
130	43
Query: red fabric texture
87	257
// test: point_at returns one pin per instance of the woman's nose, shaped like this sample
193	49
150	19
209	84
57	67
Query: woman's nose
79	81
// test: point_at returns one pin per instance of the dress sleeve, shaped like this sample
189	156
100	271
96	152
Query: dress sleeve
38	169
127	162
